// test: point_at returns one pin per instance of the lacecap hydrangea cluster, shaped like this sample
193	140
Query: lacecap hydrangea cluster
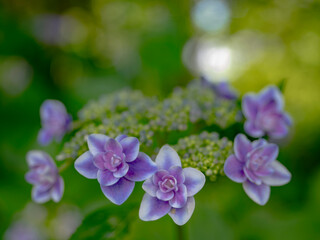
151	120
125	137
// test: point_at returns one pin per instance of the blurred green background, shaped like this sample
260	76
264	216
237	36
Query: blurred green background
75	51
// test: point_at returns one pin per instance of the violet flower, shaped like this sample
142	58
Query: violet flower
55	121
44	175
116	163
265	114
221	89
255	166
21	230
171	189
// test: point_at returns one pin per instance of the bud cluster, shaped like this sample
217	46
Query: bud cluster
205	152
185	111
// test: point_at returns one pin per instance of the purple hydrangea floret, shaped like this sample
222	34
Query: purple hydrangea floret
44	175
22	231
171	189
55	121
221	89
265	115
116	163
254	165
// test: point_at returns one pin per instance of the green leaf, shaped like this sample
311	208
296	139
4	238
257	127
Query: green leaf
282	85
110	222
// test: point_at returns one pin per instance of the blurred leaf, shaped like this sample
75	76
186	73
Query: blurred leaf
111	222
282	85
163	228
207	222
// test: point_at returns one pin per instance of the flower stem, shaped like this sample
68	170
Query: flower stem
180	235
65	165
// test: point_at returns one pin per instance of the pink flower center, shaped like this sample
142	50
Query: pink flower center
115	160
256	163
112	161
255	160
168	183
268	121
45	173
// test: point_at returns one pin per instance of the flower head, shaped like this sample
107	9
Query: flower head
222	89
44	175
55	121
116	163
171	189
22	230
254	165
265	115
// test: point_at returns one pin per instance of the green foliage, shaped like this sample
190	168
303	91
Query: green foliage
111	222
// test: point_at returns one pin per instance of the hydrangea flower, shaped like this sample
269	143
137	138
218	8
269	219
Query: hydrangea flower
265	115
170	190
116	163
55	121
222	89
23	231
44	175
254	165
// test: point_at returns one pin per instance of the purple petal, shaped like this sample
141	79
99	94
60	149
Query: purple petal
122	171
249	106
252	130
130	147
149	187
241	147
251	176
265	154
271	152
279	176
280	130
119	192
141	169
114	146
264	171
152	208
84	165
99	159
57	190
36	157
194	180
32	177
44	137
258	193
164	196
180	197
39	195
234	169
177	172
120	137
158	176
271	98
106	178
287	119
96	143
259	143
167	157
42	187
51	108
224	90
182	215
